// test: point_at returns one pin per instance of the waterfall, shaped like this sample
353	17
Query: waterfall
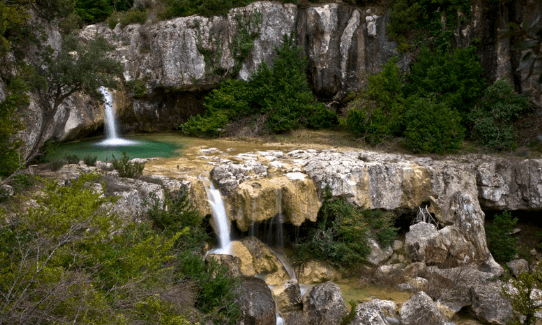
110	123
219	215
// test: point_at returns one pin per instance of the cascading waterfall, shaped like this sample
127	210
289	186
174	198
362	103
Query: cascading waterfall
110	123
219	215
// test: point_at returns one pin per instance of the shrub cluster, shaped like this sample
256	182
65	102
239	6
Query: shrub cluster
126	18
342	231
127	168
494	116
279	93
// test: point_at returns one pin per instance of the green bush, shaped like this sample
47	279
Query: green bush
456	77
281	94
382	226
341	234
127	168
90	160
138	86
132	17
500	241
71	159
493	118
57	164
432	127
376	112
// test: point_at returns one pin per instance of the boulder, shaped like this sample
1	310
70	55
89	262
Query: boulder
488	305
388	274
414	270
316	272
231	262
265	261
418	284
287	296
378	254
421	310
423	244
518	266
246	263
257	304
369	314
324	305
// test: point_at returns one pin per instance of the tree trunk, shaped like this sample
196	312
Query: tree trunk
45	121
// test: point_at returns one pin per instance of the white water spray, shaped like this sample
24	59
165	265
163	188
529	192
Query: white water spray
110	123
221	220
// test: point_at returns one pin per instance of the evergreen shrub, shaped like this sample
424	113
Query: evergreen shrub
432	127
279	93
493	118
500	241
376	113
127	168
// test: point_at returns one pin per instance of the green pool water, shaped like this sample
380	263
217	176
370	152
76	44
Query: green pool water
147	146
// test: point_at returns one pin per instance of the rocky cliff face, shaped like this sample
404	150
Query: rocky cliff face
176	59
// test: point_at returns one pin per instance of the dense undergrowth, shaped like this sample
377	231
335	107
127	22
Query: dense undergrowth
69	260
342	232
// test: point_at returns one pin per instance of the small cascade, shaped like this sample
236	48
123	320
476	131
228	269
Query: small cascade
219	215
110	123
280	221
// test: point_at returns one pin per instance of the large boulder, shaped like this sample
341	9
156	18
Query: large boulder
518	266
246	262
229	261
316	272
266	262
375	312
488	305
287	296
257	304
324	305
378	254
421	310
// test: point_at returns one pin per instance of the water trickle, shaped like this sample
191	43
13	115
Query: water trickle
220	218
280	221
110	123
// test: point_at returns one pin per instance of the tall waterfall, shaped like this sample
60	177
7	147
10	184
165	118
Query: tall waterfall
221	220
110	123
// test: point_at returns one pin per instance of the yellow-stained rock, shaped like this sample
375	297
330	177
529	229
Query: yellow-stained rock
278	277
231	262
316	272
287	295
262	199
264	260
246	264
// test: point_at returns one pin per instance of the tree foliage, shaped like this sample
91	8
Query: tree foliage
522	297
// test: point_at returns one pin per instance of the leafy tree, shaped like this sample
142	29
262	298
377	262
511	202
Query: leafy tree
499	239
494	116
77	67
376	112
432	127
93	10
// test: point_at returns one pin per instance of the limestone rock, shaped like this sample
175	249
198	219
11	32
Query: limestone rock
228	176
316	272
398	245
258	200
265	261
421	310
424	245
231	262
414	270
418	284
324	304
518	266
369	314
287	296
246	263
257	304
488	305
388	274
375	312
378	254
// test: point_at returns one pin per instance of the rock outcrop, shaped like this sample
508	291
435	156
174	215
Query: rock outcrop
257	304
421	310
324	304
